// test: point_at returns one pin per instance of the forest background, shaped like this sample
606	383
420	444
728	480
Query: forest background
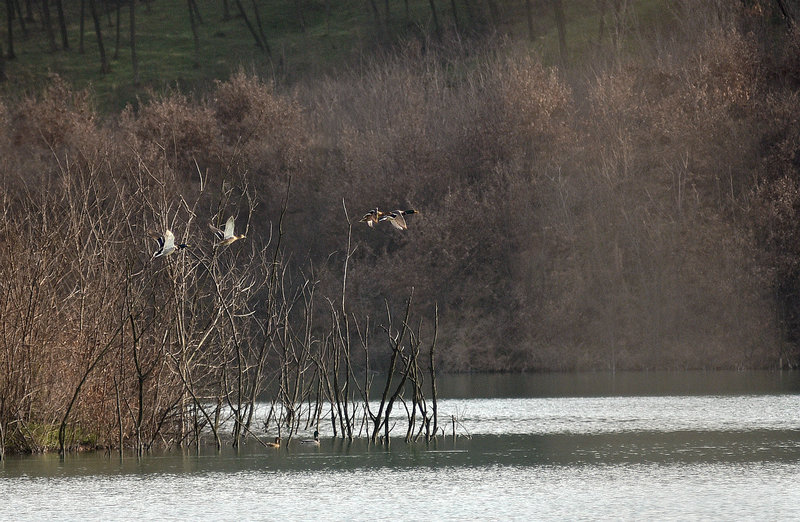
602	184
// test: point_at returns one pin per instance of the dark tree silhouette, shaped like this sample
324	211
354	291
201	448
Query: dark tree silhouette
2	76
529	16
19	16
82	25
193	23
436	27
558	8
262	44
48	25
104	68
134	59
62	24
10	21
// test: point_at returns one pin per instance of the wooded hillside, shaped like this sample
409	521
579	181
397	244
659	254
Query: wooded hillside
631	207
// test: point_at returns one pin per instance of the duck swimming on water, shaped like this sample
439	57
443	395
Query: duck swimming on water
311	442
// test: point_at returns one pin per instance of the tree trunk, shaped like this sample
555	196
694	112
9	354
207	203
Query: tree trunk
377	16
134	59
250	27
436	27
193	23
558	8
529	16
10	20
19	16
82	26
62	24
2	65
257	16
455	16
197	14
494	12
226	11
108	12
601	5
327	17
48	26
117	39
103	60
301	17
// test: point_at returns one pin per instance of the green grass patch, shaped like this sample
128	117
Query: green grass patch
302	45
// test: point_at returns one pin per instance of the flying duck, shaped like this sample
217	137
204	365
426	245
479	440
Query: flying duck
226	237
372	217
396	218
166	243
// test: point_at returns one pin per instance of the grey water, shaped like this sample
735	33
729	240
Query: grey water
695	445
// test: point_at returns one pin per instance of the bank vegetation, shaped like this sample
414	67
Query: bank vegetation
636	209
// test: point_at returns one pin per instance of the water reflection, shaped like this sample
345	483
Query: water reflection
726	446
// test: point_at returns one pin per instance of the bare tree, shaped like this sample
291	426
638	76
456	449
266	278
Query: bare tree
81	26
10	29
193	24
48	26
257	34
62	24
561	25
104	67
134	58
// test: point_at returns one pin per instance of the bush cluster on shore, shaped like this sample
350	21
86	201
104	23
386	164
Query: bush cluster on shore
636	213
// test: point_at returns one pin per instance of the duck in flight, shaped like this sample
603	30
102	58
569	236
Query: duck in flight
166	244
372	217
226	237
396	218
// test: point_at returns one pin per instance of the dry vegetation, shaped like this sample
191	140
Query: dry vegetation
640	213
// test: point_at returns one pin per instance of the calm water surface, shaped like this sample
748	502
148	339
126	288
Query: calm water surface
723	446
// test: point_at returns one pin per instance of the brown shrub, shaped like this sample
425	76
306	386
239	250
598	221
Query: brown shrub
268	128
174	131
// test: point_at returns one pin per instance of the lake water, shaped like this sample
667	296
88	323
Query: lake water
722	446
